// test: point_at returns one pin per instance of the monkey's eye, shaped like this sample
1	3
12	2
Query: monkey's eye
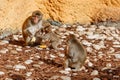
37	14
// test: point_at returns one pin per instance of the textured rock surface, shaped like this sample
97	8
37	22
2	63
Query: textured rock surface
13	13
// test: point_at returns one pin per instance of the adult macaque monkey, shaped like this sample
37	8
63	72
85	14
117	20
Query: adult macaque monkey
76	53
31	25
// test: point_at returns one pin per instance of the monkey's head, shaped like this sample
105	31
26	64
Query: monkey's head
71	37
36	16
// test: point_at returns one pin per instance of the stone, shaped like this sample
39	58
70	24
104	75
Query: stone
116	42
14	52
85	42
108	65
89	49
52	56
61	55
19	66
8	79
90	64
8	67
65	78
94	36
3	42
28	74
96	78
97	47
64	72
94	73
27	51
15	37
2	73
80	28
28	61
36	65
116	46
18	49
4	50
117	56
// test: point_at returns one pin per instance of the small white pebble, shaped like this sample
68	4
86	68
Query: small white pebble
28	61
63	37
27	51
84	42
109	38
15	37
111	50
8	66
102	27
61	48
40	62
29	79
65	78
97	47
27	46
4	50
95	72
61	55
89	49
3	42
2	73
8	79
52	56
18	49
117	56
67	69
28	74
116	46
36	65
100	55
95	36
90	64
96	79
71	32
64	26
75	74
80	28
18	67
108	65
116	42
64	72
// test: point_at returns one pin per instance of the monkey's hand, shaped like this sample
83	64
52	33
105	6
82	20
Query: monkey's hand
33	39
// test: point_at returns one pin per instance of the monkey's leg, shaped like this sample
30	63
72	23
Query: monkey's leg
27	41
54	45
38	40
76	66
66	64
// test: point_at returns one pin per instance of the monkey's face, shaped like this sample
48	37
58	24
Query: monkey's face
36	16
35	19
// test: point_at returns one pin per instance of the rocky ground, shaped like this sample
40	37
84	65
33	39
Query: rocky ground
19	62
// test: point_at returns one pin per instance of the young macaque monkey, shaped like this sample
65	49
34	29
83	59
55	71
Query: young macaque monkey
53	38
75	54
40	33
31	25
